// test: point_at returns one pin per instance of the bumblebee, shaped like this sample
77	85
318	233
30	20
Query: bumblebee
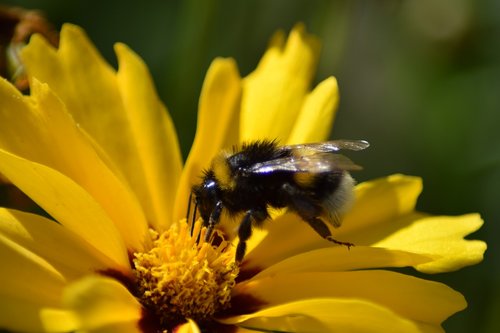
311	180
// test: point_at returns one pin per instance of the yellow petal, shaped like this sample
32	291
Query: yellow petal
19	315
339	258
27	276
283	237
119	327
69	254
87	85
57	320
403	294
92	93
380	200
273	94
441	237
40	129
217	116
155	137
315	119
189	327
68	203
100	303
236	329
30	290
328	315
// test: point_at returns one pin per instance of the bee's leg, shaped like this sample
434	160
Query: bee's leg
245	230
309	212
213	220
322	229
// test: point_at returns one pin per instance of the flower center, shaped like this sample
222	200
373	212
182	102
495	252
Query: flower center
181	277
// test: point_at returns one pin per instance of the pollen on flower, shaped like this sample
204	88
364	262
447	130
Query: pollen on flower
182	278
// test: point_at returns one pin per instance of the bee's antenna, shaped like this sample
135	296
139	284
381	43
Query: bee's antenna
189	212
189	206
194	217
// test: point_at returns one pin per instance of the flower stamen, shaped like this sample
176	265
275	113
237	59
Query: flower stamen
181	278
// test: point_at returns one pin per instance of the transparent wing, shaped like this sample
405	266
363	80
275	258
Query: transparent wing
327	146
312	163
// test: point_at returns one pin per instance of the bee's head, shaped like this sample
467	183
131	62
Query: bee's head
206	196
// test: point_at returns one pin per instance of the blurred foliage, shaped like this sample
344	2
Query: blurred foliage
419	79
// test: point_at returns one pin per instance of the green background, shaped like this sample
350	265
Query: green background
420	80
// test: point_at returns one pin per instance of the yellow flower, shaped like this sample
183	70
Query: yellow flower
96	149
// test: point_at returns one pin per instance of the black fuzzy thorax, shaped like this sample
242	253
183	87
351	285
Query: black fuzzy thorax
256	152
256	191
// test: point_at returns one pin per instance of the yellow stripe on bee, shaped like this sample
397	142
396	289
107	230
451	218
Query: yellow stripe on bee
304	179
222	172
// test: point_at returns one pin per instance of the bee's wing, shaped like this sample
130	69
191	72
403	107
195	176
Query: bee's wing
313	163
326	147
